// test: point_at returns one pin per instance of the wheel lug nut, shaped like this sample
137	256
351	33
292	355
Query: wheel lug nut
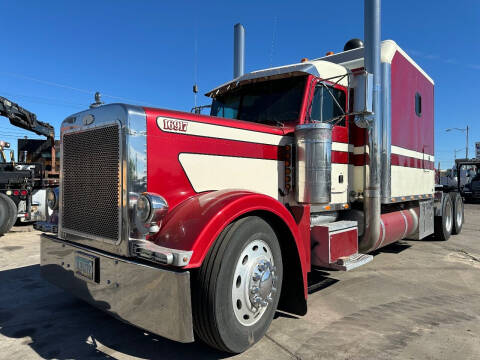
256	277
254	290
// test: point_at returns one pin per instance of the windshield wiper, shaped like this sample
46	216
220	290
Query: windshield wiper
276	122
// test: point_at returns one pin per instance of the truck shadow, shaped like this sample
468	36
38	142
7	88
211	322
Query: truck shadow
56	325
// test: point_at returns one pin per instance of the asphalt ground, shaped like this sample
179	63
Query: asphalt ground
415	300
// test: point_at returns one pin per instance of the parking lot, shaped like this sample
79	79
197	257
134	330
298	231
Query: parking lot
416	300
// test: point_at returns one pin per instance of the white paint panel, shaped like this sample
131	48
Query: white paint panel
358	178
337	146
339	190
225	132
411	181
358	150
212	172
411	153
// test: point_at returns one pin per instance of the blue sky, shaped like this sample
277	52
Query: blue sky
56	54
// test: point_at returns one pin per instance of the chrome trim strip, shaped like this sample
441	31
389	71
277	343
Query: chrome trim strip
152	298
159	254
399	199
406	224
383	234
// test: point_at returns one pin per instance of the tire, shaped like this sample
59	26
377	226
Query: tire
444	223
458	212
8	214
244	266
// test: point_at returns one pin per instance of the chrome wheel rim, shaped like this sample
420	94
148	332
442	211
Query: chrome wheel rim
254	282
448	216
459	211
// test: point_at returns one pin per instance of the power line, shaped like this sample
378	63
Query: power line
68	87
43	99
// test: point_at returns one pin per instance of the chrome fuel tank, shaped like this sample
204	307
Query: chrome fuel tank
313	163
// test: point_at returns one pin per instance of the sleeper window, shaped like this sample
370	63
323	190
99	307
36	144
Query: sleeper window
418	104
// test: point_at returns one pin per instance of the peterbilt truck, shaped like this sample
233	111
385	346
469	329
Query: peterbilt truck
193	226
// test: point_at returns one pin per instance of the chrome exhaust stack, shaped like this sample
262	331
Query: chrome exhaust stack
238	50
372	121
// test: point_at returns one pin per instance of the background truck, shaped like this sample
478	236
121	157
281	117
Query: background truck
471	189
23	183
185	224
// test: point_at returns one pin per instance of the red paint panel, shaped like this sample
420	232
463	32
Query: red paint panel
340	134
339	157
165	174
343	244
408	130
359	159
406	161
357	135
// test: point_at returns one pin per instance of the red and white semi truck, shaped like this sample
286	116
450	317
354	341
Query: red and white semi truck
189	226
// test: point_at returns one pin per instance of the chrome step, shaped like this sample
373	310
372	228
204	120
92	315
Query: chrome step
351	262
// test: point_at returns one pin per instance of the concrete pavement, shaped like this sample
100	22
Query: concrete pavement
415	300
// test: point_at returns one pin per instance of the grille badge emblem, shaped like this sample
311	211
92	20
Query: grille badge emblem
88	119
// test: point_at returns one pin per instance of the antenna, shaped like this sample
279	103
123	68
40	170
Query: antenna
195	69
272	49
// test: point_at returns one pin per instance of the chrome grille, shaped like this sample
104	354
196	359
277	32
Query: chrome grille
91	182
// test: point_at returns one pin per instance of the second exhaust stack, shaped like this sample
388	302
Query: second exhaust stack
238	50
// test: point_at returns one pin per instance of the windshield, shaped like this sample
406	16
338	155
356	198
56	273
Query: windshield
268	102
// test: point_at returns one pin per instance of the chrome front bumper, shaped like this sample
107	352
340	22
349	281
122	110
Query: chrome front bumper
152	298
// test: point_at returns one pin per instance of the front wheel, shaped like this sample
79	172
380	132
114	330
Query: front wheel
238	286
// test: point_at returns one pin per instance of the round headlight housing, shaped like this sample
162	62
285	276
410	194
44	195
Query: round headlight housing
52	198
143	208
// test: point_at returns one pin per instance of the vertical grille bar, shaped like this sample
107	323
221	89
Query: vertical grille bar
91	201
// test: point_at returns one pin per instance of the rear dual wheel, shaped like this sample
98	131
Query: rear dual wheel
444	223
452	218
8	213
238	286
458	212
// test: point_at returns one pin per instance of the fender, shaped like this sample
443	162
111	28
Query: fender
194	224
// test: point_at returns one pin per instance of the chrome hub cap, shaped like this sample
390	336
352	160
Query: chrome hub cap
254	282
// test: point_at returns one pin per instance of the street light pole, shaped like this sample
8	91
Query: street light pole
466	141
466	149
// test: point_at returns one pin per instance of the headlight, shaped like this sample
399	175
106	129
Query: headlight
52	198
143	208
151	208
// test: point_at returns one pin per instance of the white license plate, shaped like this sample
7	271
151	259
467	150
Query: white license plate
85	266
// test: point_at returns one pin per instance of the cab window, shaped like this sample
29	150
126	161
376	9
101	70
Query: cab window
328	105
